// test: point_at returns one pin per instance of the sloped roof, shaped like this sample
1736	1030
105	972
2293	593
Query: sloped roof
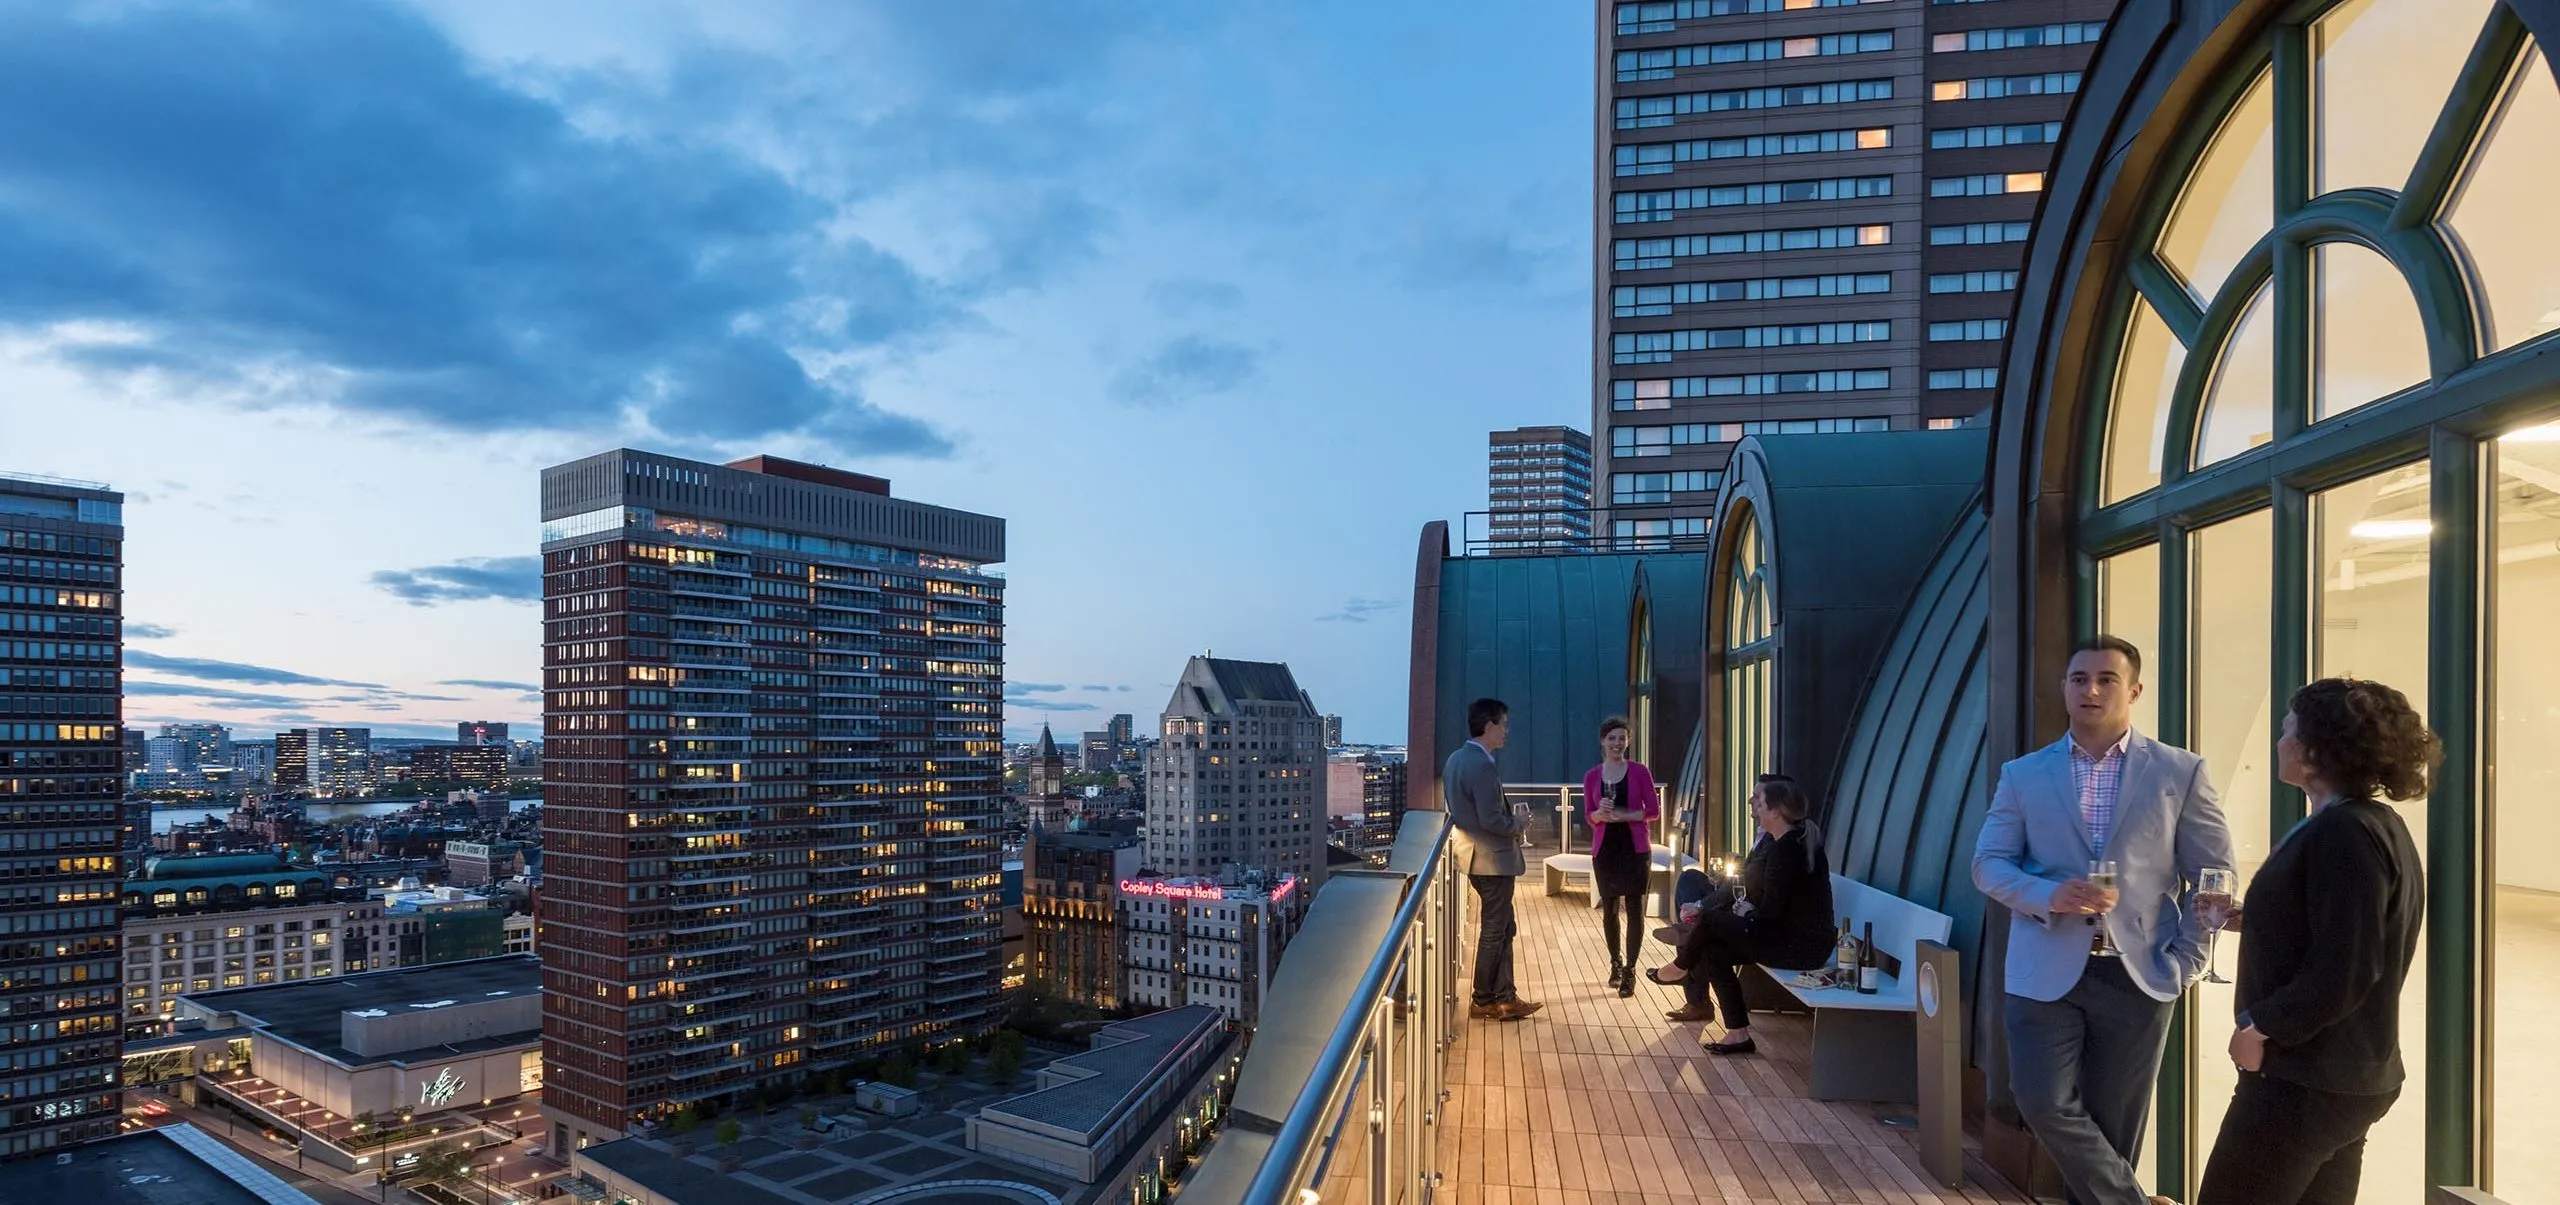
1254	681
1048	744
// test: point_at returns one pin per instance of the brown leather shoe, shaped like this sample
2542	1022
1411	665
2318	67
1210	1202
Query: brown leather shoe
1485	1012
1690	1012
1514	1010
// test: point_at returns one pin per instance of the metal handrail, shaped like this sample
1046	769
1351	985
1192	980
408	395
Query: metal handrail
1293	1149
1568	806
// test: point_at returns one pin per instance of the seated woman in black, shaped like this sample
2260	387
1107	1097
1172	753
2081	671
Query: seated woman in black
1782	919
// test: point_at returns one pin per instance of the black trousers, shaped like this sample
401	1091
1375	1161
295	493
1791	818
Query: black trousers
1625	940
1495	926
2284	1144
1713	953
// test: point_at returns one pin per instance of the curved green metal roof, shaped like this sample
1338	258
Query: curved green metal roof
197	866
1851	524
1912	785
1854	518
1548	635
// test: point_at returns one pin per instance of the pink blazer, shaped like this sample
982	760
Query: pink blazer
1639	792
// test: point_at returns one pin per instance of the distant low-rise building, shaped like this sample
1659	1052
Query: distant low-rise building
201	923
1071	910
425	1040
1204	941
478	863
1382	787
1087	1110
443	924
479	765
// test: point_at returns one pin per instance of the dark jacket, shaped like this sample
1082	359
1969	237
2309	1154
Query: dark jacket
1789	886
2329	930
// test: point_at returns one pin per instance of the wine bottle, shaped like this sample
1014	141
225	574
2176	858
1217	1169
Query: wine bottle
1846	957
1867	968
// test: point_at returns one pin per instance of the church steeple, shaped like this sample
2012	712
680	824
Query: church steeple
1047	799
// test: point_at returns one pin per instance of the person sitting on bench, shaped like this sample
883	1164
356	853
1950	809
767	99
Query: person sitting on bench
1782	918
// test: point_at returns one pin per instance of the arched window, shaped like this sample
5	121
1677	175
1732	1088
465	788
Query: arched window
1750	656
2322	443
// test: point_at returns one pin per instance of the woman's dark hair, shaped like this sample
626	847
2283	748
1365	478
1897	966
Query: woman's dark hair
1785	797
2364	739
1616	723
1485	713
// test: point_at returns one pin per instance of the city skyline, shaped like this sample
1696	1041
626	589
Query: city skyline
1110	245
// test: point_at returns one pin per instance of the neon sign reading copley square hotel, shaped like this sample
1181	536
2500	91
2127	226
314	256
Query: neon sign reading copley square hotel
1181	889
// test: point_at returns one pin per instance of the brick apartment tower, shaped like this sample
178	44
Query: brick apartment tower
61	811
1809	217
773	775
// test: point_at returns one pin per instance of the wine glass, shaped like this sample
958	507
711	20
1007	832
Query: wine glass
2214	889
2102	875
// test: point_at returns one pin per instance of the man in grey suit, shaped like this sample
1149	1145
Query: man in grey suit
2093	972
1487	845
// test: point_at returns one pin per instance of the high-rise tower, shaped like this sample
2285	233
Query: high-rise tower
1238	778
1809	217
773	770
61	801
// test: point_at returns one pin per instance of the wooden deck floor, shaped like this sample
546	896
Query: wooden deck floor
1599	1101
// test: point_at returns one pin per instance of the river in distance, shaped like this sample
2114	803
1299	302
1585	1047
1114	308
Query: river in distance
321	811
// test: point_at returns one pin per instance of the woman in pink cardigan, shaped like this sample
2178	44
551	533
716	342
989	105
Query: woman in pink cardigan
1619	800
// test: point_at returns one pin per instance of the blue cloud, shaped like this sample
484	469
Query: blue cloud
1357	610
1048	705
229	671
135	629
510	578
145	688
331	192
1186	367
491	684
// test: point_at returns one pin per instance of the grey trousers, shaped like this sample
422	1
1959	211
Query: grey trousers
2083	1069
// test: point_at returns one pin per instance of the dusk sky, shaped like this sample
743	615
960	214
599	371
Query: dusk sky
1213	303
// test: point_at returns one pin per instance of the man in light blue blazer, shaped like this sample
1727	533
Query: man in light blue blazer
2093	974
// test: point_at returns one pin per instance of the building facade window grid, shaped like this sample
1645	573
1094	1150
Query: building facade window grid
1956	239
1654	112
1669	61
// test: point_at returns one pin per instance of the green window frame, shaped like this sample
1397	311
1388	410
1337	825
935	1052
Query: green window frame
2264	304
1750	673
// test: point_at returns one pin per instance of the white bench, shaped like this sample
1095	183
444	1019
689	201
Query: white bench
1569	872
1864	1047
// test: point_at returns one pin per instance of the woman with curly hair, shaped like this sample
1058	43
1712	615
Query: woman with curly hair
2327	938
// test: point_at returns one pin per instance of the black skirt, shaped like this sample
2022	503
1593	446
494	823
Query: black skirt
1618	867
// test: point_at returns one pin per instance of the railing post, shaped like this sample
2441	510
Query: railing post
1381	1098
